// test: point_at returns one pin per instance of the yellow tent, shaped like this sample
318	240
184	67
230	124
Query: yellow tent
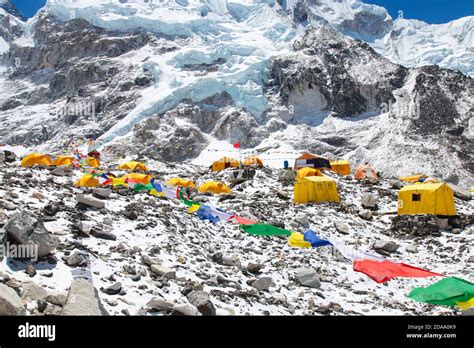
36	158
253	161
316	189
223	163
63	161
93	162
214	187
436	199
341	167
180	182
140	178
132	165
87	180
307	171
413	178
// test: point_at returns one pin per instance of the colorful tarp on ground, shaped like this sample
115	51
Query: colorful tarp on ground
447	292
383	271
265	230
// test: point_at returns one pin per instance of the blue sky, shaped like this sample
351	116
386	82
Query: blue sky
431	11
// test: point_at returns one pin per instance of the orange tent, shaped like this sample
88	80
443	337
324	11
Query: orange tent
140	178
341	167
253	161
93	162
223	163
63	161
312	161
36	159
365	171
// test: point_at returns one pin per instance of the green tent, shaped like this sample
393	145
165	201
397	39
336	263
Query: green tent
446	292
265	230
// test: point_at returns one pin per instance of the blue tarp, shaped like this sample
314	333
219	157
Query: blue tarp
311	237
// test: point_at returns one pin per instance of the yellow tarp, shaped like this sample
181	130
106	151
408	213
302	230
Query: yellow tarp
132	165
467	304
435	199
214	187
180	182
253	161
87	180
341	167
93	162
119	181
223	163
315	189
413	178
63	161
36	158
140	178
297	240
193	208
307	171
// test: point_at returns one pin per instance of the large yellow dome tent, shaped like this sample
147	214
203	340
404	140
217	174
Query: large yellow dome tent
139	178
87	180
315	189
36	159
132	165
180	182
214	187
63	161
253	161
93	162
433	199
223	163
307	171
413	178
341	167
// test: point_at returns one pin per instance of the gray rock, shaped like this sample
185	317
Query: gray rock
25	228
369	200
159	304
101	193
342	227
254	267
147	260
412	249
10	302
58	300
308	277
283	195
33	292
202	302
471	259
388	246
82	299
103	234
263	283
441	223
59	171
85	228
163	271
303	220
365	214
89	201
396	184
78	259
113	289
185	310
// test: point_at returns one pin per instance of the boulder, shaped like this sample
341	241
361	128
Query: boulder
202	302
308	277
163	271
33	292
59	171
90	201
412	249
78	259
10	302
341	227
388	246
185	310
25	228
101	193
366	214
82	299
302	219
369	201
159	304
263	283
113	289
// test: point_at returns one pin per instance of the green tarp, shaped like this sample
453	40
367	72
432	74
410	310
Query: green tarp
184	200
141	187
446	292
265	230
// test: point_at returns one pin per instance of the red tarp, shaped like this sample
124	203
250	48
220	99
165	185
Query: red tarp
383	271
242	221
